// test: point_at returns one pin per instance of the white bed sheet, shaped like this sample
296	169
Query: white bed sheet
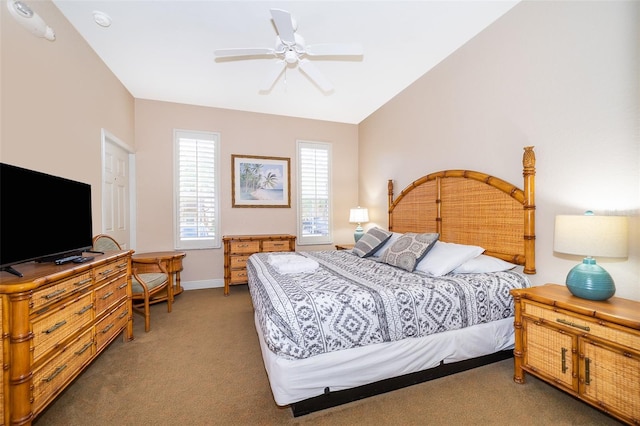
295	380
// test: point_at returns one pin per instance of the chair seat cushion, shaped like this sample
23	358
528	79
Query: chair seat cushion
151	279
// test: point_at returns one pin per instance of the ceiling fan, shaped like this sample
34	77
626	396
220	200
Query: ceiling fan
291	51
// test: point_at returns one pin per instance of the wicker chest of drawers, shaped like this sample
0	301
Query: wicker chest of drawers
586	348
238	248
58	319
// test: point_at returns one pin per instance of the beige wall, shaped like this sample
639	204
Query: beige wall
240	133
55	99
563	76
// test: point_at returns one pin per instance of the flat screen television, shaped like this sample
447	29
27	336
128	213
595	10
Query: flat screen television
42	217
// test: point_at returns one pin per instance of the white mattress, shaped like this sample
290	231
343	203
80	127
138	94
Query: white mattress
299	379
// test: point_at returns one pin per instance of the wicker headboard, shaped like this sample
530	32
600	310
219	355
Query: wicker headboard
468	207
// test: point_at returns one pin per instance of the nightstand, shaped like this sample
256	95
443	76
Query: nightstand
589	349
344	246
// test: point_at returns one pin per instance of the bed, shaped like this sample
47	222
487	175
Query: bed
337	326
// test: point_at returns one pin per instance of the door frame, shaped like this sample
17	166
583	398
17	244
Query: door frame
108	138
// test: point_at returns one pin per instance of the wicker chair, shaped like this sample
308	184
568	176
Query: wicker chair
149	279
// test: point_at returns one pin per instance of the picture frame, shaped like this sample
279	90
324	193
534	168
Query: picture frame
259	181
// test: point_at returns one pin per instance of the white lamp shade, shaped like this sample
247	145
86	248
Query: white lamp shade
590	235
359	215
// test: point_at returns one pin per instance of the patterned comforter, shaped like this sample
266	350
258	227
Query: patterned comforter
349	301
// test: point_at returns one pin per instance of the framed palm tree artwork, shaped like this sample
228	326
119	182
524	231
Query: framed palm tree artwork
258	181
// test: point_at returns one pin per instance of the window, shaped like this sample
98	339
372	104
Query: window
314	193
196	190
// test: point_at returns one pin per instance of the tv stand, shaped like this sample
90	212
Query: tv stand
11	270
55	321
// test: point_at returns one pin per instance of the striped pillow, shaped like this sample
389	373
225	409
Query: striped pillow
369	243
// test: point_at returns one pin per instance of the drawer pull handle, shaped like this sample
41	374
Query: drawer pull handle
123	285
55	373
55	327
106	272
587	371
124	314
573	324
84	348
243	245
106	296
83	282
564	360
107	328
278	244
122	266
85	309
54	294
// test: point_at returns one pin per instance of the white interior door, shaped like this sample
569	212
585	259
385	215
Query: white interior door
117	182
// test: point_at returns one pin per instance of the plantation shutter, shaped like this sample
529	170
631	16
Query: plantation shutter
196	201
314	193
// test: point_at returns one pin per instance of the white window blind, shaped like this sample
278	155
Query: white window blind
196	190
314	193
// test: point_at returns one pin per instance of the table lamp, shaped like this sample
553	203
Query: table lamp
590	235
358	215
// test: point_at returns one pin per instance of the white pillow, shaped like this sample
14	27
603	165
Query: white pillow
445	257
394	237
482	264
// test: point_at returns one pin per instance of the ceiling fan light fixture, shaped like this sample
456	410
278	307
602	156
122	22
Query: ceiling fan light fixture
290	56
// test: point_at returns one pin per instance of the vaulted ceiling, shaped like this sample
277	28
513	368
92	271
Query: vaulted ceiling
164	50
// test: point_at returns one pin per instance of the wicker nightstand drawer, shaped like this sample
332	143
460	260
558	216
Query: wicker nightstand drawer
583	324
50	329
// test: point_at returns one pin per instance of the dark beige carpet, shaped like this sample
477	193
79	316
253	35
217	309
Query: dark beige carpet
201	365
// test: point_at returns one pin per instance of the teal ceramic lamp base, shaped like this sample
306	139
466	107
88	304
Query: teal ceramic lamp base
590	281
359	233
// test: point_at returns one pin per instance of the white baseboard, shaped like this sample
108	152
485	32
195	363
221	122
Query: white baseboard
202	284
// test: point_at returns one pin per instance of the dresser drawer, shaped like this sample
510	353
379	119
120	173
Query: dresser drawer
277	245
62	289
52	376
108	327
110	294
112	269
237	262
583	324
245	247
51	328
239	276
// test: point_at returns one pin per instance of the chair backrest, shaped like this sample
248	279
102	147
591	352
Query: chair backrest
104	242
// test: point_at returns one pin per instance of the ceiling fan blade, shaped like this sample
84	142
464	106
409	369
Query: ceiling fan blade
335	49
284	25
228	53
274	73
315	75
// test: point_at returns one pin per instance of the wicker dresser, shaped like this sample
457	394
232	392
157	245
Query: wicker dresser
238	248
586	348
55	321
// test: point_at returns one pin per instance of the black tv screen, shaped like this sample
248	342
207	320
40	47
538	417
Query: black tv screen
42	217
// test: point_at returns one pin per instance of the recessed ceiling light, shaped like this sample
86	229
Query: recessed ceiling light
102	18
